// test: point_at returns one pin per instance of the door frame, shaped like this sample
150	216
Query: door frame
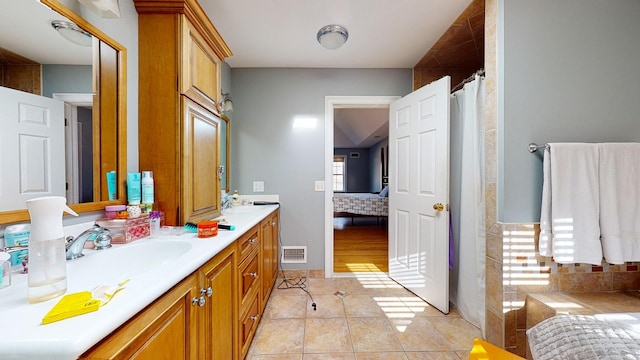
331	103
72	162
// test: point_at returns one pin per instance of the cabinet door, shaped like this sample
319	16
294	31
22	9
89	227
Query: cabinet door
218	325
200	160
201	68
270	237
163	330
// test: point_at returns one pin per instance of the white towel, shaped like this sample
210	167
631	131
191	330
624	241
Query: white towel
544	241
569	225
620	201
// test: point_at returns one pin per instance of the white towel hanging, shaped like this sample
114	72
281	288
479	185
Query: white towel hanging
570	230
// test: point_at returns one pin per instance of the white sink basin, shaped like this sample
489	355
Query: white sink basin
241	209
131	259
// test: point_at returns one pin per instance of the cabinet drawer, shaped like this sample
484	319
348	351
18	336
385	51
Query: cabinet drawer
248	243
249	275
249	322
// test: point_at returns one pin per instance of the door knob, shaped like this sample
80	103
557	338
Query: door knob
438	207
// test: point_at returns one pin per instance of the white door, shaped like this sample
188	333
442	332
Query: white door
31	148
419	192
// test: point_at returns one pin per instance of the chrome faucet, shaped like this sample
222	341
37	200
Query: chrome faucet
226	203
99	235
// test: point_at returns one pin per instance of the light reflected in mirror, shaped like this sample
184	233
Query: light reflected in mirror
36	59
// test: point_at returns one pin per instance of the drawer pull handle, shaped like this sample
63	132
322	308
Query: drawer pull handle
254	274
254	317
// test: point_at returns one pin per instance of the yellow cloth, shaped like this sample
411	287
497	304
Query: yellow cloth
483	350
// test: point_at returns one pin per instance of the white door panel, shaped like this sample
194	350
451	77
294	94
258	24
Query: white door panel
418	180
31	147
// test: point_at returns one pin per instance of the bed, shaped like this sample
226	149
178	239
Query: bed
601	336
360	204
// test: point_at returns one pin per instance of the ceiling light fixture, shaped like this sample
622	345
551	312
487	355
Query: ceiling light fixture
72	32
332	36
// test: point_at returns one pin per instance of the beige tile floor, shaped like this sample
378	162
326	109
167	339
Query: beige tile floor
376	319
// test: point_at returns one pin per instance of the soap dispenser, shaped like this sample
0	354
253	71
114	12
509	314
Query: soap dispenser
47	277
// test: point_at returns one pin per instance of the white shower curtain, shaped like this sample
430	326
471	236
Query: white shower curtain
467	278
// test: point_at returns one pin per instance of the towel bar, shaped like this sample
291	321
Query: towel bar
533	147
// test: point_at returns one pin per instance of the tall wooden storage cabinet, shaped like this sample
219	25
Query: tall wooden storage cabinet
179	86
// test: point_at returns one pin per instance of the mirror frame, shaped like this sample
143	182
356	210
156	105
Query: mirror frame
226	119
13	216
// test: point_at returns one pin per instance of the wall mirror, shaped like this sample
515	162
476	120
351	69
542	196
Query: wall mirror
90	80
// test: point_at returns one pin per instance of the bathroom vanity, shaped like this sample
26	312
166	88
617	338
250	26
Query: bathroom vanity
187	297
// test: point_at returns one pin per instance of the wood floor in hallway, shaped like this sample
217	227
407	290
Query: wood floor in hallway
360	245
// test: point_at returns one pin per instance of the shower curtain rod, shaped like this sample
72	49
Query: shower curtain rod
533	147
468	80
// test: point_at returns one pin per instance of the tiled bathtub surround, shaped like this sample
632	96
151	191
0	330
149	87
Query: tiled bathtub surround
376	319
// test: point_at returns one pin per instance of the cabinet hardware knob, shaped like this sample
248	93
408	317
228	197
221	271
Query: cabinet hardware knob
202	301
208	291
252	240
254	274
254	317
194	300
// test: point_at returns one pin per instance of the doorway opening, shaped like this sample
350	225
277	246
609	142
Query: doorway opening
78	112
361	236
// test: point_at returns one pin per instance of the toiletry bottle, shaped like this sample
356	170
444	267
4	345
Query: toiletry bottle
147	187
5	270
236	198
47	277
154	224
133	188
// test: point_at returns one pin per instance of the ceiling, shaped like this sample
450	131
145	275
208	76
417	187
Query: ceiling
360	127
282	33
33	38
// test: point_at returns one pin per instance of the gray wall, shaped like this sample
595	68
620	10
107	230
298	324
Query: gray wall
358	170
264	145
570	74
66	79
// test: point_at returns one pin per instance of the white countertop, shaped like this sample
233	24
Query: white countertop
23	337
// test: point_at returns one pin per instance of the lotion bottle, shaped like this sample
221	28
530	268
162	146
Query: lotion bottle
147	187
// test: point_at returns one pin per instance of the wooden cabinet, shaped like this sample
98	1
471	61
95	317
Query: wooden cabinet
217	328
165	329
211	314
193	320
270	234
249	288
179	54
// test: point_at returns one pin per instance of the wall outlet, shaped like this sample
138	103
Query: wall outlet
258	186
319	185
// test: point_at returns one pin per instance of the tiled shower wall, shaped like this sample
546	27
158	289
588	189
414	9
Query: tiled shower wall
512	268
